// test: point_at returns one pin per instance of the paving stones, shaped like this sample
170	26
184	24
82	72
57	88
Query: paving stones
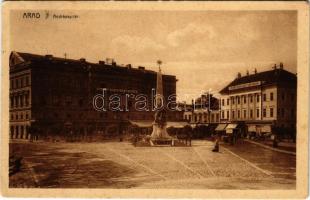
121	165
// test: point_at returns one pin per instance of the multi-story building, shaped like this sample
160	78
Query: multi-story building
55	95
202	116
199	112
262	101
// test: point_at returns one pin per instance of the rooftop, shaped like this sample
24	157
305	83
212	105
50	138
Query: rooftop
274	76
18	58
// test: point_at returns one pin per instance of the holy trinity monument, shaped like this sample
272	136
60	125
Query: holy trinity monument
159	135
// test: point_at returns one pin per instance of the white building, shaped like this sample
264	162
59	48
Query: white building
202	116
261	101
204	110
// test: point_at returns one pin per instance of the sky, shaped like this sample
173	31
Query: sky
204	49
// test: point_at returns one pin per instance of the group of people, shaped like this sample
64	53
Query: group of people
186	135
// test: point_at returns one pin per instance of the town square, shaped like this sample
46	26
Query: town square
154	99
120	165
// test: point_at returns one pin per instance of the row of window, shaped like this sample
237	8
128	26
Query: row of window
244	116
280	113
251	114
58	101
20	82
20	116
19	132
244	98
19	101
61	83
71	101
202	117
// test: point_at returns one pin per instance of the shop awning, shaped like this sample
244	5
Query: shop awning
202	125
177	124
198	125
251	128
221	127
142	124
193	125
231	126
266	129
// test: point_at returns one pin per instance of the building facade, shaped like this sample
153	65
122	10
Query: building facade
199	112
202	116
264	102
54	96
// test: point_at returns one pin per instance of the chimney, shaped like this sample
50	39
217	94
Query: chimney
109	61
275	66
101	62
239	75
128	66
255	71
141	68
82	60
113	63
247	72
281	65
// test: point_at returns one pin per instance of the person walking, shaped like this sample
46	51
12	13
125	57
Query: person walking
216	144
187	135
275	141
189	138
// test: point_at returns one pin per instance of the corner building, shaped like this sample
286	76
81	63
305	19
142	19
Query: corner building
262	102
53	96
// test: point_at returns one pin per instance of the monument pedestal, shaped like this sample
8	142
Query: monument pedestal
160	137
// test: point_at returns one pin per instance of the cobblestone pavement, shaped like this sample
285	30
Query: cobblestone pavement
278	164
121	165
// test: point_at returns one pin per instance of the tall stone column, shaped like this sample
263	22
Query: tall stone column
159	124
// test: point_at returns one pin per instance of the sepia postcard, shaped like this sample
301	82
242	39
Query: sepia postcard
155	99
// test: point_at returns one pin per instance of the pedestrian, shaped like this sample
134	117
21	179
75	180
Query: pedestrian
189	138
136	138
275	141
187	135
217	144
231	138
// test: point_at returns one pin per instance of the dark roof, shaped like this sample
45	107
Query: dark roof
271	77
34	58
